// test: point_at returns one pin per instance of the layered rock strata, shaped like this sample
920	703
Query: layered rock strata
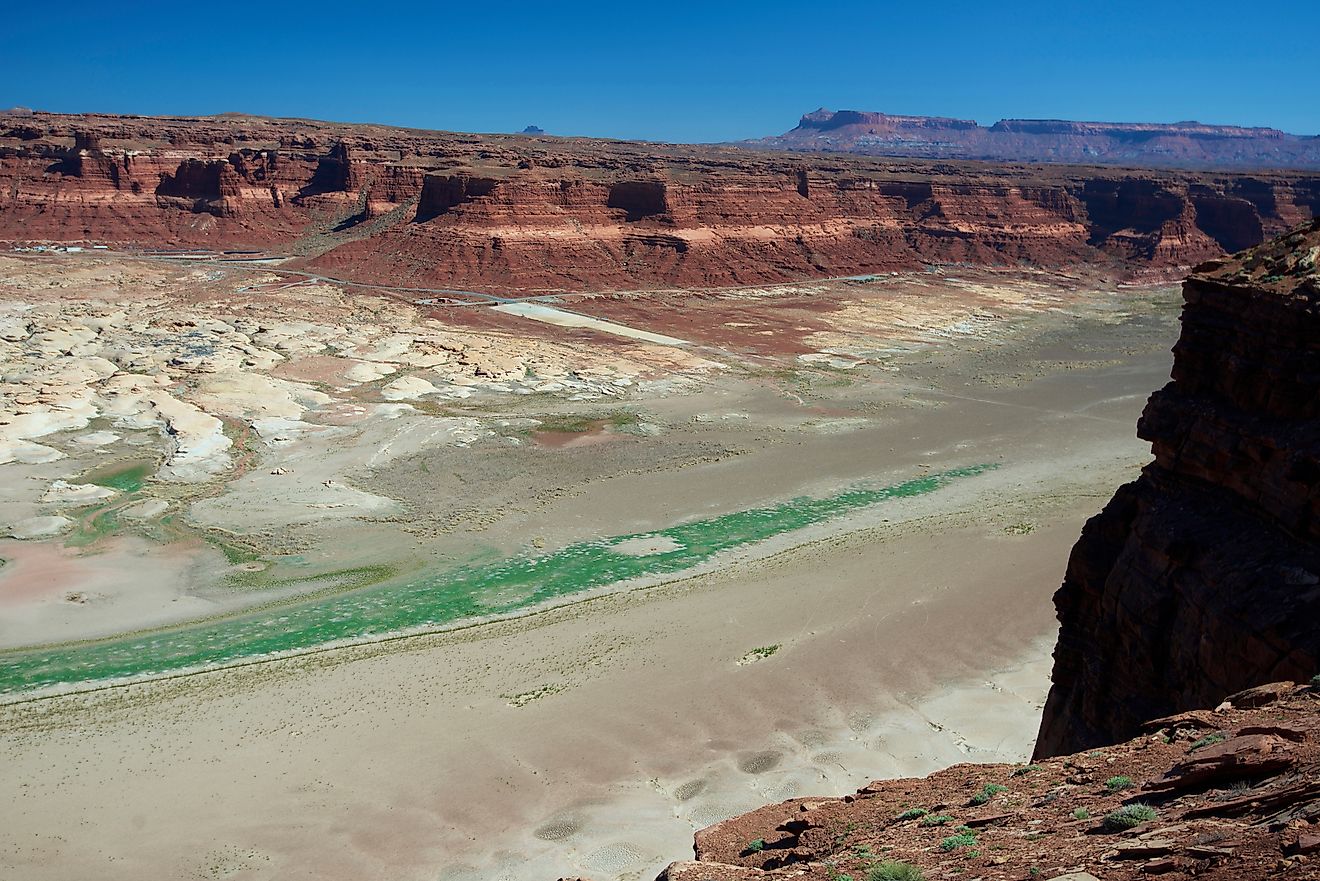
494	212
1203	576
1160	145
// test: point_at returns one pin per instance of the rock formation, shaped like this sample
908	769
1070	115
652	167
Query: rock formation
508	212
1221	795
1174	145
1203	576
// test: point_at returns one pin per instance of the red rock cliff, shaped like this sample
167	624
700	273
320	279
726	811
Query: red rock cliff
1203	576
516	213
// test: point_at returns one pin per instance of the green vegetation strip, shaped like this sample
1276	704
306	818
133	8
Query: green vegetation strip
436	599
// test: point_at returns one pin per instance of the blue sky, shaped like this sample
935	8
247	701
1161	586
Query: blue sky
669	70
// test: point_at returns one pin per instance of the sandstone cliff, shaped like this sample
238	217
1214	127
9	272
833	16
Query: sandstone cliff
431	209
1203	576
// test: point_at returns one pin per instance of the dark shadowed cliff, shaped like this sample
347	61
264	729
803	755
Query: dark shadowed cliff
1203	576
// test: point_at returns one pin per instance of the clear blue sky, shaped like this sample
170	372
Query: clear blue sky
669	70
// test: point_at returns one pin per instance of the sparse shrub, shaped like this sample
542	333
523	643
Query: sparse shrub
756	845
913	814
936	820
1128	816
894	870
1081	814
1315	681
1118	784
989	791
1208	740
953	842
1025	769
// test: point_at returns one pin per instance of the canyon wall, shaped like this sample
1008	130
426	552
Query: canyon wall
1157	145
1203	576
430	209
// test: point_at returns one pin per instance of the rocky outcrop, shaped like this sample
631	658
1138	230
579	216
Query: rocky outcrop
441	192
1203	576
509	213
1222	795
1152	145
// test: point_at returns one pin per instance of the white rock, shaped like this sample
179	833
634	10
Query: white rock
253	396
368	371
39	527
62	493
96	438
407	388
201	449
146	509
27	453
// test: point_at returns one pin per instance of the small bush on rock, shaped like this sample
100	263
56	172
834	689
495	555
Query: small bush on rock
1118	784
953	842
893	870
989	791
1128	816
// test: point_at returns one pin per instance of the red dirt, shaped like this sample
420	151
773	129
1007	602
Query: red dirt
1256	816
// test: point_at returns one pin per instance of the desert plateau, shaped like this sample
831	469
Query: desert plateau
899	498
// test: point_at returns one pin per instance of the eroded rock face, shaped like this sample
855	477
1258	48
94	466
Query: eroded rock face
1203	576
493	212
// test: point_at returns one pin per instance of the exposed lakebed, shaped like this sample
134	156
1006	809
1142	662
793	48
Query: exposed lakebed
442	598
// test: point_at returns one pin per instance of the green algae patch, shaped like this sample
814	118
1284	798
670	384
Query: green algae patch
126	477
94	524
436	599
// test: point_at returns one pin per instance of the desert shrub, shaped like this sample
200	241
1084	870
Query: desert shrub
1118	784
756	845
989	791
1081	814
893	870
1128	816
1208	740
913	814
953	842
936	820
1025	769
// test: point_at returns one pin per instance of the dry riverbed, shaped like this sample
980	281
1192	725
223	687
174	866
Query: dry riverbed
177	446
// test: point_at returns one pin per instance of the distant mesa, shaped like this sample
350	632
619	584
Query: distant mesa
533	130
1164	145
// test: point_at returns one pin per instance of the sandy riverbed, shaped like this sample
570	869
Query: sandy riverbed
594	738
